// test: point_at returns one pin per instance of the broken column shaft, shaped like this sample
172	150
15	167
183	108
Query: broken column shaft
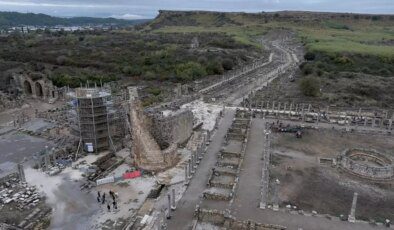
352	216
169	206
21	173
173	207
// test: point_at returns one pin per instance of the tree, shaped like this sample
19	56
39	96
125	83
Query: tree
310	86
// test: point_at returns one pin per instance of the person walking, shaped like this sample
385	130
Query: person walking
103	198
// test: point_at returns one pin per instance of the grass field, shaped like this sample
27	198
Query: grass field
242	34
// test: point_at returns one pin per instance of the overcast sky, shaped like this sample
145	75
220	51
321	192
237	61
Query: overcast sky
131	9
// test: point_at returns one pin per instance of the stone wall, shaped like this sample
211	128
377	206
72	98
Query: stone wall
30	84
384	171
147	153
175	127
223	219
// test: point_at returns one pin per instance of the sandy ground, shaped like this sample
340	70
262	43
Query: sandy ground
16	147
311	186
72	208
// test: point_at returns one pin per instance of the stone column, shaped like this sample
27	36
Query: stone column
373	122
365	121
21	173
173	207
390	123
190	168
285	105
195	160
352	216
186	176
47	161
169	206
275	201
309	107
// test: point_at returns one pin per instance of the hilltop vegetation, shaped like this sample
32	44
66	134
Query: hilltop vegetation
94	55
339	49
350	57
350	40
11	19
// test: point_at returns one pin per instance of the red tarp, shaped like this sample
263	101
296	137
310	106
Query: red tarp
131	175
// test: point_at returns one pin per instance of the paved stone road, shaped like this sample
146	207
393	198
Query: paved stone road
248	191
181	218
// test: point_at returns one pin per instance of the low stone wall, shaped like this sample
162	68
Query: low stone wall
223	219
364	170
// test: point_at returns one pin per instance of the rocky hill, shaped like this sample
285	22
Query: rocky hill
219	19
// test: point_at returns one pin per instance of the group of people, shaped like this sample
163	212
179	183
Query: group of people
101	199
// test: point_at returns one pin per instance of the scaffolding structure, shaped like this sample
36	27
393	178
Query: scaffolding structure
98	118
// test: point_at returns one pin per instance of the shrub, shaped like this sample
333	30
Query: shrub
309	86
214	68
309	56
307	69
61	60
189	71
134	70
155	91
343	60
227	64
149	75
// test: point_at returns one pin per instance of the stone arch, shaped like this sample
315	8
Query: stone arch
39	89
27	87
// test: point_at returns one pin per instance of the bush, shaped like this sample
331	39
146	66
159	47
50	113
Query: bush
306	69
132	70
189	71
227	64
155	91
214	68
149	75
61	60
343	60
310	86
309	56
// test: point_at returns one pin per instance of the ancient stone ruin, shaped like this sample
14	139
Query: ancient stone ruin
30	84
368	164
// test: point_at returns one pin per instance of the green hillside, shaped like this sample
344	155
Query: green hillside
10	19
344	42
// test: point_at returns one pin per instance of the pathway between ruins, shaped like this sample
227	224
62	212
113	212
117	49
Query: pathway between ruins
248	191
185	208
